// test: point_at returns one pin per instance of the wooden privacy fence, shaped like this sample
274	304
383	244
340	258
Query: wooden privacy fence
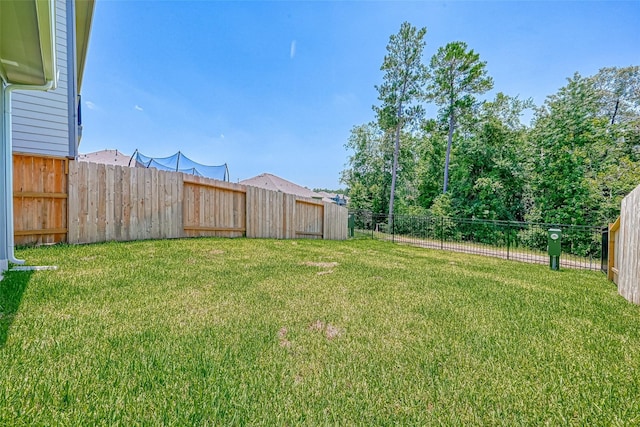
39	199
624	236
119	203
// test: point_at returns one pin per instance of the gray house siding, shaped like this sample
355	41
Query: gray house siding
45	122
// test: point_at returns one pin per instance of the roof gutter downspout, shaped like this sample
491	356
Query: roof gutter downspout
4	262
6	149
7	155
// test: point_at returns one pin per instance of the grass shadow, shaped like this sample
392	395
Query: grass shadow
12	288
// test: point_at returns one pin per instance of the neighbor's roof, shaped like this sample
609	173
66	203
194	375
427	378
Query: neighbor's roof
275	183
107	157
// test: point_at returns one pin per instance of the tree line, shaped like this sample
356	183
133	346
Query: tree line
573	163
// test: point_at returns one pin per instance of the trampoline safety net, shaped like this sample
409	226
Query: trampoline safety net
180	163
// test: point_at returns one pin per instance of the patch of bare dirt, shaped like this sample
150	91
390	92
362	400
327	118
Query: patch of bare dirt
318	325
216	252
282	338
322	273
330	331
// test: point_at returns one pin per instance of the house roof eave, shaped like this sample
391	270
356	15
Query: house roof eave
84	19
26	42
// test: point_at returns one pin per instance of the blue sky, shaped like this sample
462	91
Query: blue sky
276	86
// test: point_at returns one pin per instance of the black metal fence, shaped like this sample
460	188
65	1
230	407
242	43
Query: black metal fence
522	241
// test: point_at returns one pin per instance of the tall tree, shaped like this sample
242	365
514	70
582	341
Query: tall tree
456	75
404	87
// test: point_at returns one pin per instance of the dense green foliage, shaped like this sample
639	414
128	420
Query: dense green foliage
330	190
573	163
266	332
583	159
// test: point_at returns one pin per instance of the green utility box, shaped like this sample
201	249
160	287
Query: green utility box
351	225
554	248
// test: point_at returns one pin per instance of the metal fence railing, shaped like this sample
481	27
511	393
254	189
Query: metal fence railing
512	240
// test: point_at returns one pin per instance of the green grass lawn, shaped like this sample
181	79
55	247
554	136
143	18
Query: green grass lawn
266	332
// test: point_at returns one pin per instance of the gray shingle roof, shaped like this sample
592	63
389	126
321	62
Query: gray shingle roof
107	157
275	183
